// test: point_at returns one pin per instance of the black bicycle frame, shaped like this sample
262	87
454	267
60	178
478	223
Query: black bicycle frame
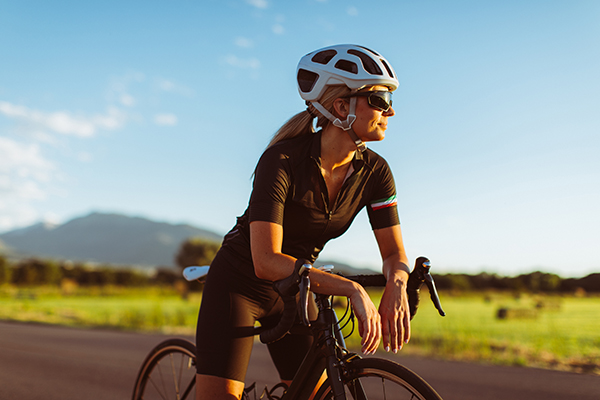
325	354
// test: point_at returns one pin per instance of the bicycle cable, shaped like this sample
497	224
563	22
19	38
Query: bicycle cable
349	318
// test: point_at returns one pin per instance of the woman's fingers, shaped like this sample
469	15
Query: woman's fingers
390	333
369	322
395	318
406	325
371	335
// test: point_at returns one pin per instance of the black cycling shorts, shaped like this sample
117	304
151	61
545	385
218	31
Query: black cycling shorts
231	304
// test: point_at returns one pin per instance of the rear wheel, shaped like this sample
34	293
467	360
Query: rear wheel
168	372
380	379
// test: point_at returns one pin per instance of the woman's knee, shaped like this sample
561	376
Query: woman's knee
214	387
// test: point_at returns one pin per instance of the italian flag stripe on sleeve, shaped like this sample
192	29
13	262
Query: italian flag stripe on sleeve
383	203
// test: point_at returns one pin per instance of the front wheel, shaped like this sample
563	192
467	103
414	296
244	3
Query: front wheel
168	372
380	379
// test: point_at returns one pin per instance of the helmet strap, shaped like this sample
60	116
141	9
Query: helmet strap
344	125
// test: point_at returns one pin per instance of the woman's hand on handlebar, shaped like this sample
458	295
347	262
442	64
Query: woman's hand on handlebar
395	315
369	320
394	309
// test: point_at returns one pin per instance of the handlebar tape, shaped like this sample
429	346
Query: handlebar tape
287	288
285	323
415	281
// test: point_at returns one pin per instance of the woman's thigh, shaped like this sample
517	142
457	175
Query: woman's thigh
231	304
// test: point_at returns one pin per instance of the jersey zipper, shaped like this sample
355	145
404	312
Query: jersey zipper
330	208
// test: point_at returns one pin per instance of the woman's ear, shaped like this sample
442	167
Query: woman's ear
341	108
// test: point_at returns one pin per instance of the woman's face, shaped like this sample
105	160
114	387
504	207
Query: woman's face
371	123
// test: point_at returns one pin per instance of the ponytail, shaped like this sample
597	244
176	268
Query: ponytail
299	124
302	123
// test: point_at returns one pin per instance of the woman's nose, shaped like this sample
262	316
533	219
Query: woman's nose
390	112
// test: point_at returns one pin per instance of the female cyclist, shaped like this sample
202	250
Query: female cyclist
308	186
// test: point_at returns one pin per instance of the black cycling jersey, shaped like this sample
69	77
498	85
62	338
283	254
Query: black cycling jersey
289	189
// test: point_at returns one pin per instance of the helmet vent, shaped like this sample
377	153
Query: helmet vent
323	57
389	70
355	66
367	62
369	50
306	80
347	66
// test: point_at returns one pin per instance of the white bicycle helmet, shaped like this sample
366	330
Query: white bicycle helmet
345	64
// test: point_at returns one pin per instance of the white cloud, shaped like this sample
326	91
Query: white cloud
251	63
278	29
51	218
166	119
243	42
131	89
353	11
258	3
113	119
29	175
123	82
23	160
16	214
167	85
127	100
63	122
24	176
85	157
120	87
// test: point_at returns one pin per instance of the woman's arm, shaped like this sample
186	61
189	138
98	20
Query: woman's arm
394	310
270	263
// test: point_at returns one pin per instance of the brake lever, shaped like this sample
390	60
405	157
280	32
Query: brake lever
418	276
433	293
304	291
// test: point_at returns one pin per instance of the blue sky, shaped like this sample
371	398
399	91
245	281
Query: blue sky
161	110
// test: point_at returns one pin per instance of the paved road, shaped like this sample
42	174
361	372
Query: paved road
48	362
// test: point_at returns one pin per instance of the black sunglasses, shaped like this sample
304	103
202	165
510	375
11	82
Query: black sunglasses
381	100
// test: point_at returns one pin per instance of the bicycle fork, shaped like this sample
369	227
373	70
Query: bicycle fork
334	340
333	369
326	354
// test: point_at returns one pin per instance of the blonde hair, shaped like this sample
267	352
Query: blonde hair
302	123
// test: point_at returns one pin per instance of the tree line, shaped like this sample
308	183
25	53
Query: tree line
536	282
197	251
36	271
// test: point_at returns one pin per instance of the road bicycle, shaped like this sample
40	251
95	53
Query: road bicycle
168	372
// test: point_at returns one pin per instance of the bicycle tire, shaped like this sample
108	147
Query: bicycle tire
381	379
168	372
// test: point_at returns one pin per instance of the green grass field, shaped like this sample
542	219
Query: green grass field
152	310
548	332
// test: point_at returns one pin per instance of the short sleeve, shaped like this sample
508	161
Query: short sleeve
270	188
382	208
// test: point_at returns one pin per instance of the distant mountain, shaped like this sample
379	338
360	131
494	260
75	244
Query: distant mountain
104	238
114	239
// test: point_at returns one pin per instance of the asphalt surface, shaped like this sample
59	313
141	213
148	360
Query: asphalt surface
50	362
